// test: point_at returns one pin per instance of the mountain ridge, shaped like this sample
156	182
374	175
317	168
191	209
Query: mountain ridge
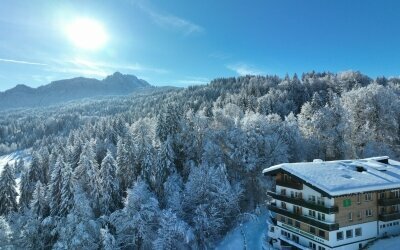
23	96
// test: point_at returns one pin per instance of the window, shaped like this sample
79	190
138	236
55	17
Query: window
368	197
321	216
283	219
283	205
350	216
311	198
297	209
297	224
292	194
358	198
382	210
395	208
283	192
320	201
396	193
321	248
359	215
312	245
295	238
339	236
368	212
311	213
382	195
289	221
312	230
349	233
358	231
321	234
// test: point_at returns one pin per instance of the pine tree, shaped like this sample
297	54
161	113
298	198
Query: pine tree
29	178
125	163
25	191
86	175
168	122
55	187
39	204
67	191
109	195
8	193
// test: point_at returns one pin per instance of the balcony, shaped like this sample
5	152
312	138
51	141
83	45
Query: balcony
388	201
304	203
389	217
290	184
320	224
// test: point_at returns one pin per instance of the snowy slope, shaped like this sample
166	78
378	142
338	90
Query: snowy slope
389	243
252	231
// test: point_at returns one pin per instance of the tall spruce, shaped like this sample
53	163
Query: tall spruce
8	192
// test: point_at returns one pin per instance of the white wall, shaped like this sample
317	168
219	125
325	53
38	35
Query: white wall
369	230
388	228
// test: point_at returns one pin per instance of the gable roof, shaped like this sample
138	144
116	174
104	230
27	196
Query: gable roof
336	178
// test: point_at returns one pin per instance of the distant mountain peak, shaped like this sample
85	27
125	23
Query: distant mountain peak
125	79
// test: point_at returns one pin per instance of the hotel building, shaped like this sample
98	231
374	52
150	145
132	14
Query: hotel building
333	204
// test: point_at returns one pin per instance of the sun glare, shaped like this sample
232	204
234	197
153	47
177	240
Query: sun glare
87	34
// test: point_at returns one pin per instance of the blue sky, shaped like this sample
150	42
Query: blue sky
181	42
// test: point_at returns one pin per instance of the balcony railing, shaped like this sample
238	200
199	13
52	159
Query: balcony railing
304	203
388	201
389	217
290	184
320	224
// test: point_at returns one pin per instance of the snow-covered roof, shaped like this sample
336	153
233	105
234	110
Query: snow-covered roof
346	176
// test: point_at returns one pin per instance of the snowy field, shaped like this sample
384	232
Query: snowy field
250	235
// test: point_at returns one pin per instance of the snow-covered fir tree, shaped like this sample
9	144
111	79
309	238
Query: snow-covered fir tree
8	192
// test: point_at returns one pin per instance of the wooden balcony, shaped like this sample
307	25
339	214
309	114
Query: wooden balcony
389	217
303	203
290	184
388	201
319	224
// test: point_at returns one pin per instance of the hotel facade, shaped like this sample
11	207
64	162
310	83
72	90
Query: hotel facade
333	205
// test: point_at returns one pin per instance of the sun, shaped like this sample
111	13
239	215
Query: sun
86	33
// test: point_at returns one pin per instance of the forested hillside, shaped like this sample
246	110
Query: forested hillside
177	169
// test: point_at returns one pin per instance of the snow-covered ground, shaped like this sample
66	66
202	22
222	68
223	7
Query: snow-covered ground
389	243
249	235
11	159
